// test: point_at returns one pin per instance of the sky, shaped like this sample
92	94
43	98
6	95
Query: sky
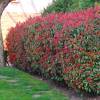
34	6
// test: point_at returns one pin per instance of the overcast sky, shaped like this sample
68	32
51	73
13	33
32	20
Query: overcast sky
34	6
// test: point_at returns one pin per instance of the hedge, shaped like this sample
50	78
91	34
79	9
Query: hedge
63	47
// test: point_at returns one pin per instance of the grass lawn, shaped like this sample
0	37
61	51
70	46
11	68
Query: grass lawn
17	85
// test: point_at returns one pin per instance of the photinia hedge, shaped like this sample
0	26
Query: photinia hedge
63	47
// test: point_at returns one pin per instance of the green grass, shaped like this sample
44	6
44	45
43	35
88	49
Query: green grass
17	85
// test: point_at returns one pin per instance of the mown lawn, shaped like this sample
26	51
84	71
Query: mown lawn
17	85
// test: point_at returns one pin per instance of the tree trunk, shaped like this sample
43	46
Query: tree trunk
3	4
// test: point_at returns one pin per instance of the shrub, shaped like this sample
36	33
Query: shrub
60	47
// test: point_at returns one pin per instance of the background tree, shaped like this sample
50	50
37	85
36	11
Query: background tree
58	6
86	3
3	4
68	5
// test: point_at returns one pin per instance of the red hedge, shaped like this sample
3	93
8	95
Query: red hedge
61	47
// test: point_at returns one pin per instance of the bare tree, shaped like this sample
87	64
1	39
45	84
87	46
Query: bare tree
3	4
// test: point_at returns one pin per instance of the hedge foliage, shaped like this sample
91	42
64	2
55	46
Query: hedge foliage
63	46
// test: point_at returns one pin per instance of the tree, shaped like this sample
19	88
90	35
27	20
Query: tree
3	4
86	3
58	6
68	5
